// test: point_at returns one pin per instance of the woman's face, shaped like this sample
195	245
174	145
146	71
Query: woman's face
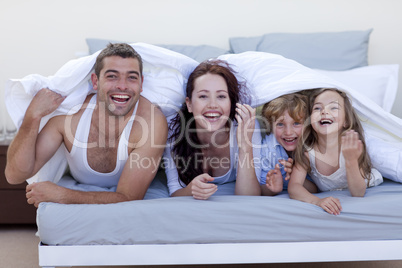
328	114
210	102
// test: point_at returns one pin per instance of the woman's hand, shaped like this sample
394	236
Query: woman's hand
330	204
201	188
245	116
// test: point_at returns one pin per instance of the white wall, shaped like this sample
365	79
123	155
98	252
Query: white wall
40	36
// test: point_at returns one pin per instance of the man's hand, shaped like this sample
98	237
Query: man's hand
46	191
44	102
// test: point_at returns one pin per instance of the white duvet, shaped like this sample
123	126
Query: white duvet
165	75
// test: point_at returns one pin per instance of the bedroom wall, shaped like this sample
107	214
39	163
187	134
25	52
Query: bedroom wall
40	36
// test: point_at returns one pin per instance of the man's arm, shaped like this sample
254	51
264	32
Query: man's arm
29	151
137	175
144	160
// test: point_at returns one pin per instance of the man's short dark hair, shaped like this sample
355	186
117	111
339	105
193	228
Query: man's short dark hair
118	49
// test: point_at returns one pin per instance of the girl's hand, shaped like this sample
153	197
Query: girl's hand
352	146
245	116
352	149
288	166
330	204
274	181
201	188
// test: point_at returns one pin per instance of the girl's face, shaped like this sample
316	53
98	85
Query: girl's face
328	114
210	102
287	131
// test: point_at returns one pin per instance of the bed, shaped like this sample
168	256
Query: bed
229	229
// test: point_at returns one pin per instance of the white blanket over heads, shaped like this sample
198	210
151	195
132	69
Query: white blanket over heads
269	76
165	75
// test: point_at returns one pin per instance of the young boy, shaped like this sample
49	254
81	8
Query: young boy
284	117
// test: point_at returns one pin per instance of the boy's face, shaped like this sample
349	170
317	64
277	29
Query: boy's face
287	131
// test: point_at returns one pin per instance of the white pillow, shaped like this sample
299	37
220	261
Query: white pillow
378	82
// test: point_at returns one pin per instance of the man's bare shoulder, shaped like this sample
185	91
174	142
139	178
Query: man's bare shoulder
151	113
69	120
150	119
146	109
77	113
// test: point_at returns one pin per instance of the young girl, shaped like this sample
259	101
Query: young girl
284	117
333	151
208	150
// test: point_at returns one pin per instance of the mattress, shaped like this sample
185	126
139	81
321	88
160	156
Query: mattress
159	219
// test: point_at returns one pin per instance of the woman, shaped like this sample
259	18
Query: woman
208	151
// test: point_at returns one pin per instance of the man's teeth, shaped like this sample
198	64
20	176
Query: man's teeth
120	98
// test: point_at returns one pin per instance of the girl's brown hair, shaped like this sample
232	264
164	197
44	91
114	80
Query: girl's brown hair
352	122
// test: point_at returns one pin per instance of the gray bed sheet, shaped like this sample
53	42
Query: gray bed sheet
160	219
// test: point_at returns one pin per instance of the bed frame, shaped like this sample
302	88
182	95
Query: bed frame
232	253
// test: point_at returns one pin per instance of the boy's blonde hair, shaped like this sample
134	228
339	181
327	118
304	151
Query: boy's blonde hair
295	104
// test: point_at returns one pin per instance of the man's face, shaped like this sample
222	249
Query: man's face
119	84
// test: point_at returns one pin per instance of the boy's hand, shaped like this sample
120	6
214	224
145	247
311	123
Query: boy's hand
274	181
287	166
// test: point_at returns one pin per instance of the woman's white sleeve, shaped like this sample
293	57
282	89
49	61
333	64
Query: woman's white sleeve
256	141
173	181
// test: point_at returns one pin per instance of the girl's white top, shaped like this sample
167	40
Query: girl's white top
337	180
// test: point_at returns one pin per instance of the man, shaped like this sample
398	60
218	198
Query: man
112	127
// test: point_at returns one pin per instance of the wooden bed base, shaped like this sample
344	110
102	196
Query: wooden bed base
234	253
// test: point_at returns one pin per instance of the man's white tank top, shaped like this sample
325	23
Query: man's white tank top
77	158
